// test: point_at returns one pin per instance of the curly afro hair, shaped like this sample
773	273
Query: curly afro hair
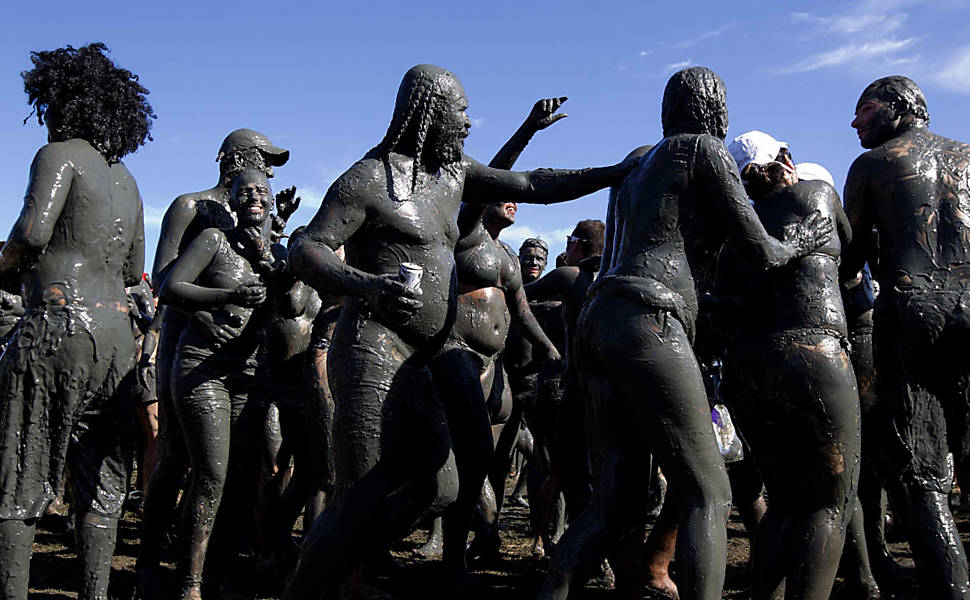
80	93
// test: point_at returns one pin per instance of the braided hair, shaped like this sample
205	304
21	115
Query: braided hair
420	99
80	93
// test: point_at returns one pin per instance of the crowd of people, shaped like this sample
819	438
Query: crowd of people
376	370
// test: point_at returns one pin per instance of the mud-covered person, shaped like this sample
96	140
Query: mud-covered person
800	406
910	188
398	204
214	384
469	369
633	349
187	216
79	240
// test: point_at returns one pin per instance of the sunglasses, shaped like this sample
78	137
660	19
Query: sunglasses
572	238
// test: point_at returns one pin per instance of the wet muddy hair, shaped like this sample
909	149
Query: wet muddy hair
538	243
420	97
591	233
902	94
80	93
695	101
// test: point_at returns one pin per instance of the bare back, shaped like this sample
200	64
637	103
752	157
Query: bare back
96	241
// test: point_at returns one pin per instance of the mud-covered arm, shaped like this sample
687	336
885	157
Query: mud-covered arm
859	213
293	302
542	186
135	261
557	281
522	317
180	289
176	221
718	174
312	257
51	174
542	116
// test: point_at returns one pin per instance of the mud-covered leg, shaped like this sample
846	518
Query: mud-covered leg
96	536
860	582
16	541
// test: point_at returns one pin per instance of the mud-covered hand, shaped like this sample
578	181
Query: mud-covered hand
251	293
390	300
812	232
286	203
544	353
544	112
222	332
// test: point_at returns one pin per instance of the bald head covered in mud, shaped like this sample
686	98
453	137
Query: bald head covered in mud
910	187
79	241
397	205
633	350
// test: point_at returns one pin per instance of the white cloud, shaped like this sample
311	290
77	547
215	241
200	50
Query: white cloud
955	74
154	215
478	122
700	38
850	52
646	52
677	66
516	234
871	23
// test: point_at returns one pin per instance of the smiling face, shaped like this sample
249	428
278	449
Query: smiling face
875	122
533	261
500	215
251	198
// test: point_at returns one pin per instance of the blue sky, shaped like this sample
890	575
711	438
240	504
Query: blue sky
320	79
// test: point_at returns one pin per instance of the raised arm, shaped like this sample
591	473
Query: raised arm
543	115
859	213
51	174
719	175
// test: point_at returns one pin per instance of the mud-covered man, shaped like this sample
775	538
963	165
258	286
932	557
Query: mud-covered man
79	240
911	188
396	205
633	341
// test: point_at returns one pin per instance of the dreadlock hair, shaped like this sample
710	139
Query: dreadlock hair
422	91
695	102
537	243
902	94
80	93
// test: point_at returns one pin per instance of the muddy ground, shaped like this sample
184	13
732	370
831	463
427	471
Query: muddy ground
55	572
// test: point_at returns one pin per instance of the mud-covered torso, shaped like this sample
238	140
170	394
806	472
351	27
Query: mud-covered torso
227	269
287	339
919	191
418	227
804	294
85	260
482	318
666	224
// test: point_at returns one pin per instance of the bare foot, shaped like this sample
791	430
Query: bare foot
662	585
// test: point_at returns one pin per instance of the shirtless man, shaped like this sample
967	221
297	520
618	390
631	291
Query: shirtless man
187	217
633	342
911	187
79	241
397	205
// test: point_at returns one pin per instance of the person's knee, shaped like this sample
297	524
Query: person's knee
712	491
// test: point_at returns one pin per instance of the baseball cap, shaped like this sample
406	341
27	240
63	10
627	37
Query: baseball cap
247	138
808	171
754	147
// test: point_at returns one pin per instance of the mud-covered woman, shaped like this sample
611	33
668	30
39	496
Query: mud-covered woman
213	375
789	377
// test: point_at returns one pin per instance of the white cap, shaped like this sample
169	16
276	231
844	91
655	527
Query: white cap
755	147
807	171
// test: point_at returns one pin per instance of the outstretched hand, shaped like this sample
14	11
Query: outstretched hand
287	202
390	300
544	112
812	232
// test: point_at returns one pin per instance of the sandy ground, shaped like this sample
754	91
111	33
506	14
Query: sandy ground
55	571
